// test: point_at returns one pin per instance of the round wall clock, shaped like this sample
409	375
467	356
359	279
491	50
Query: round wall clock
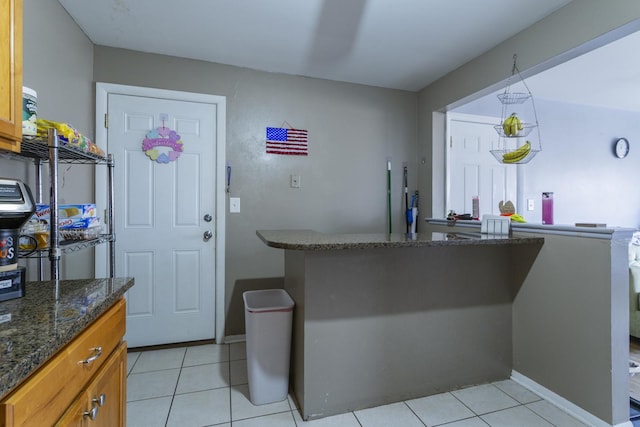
621	148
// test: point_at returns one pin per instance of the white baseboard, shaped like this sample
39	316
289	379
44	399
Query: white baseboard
230	339
562	403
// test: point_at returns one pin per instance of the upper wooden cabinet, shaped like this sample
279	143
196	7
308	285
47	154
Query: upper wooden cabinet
11	74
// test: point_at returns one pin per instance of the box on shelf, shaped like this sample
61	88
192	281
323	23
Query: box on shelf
81	233
86	210
75	223
70	229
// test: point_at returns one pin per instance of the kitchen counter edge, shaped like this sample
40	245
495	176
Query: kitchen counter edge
309	240
35	327
520	229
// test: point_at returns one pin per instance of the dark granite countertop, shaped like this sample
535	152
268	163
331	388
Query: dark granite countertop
309	240
35	327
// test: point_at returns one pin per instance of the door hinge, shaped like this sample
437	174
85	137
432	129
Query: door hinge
106	121
451	142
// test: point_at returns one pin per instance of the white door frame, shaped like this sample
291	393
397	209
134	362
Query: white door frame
102	92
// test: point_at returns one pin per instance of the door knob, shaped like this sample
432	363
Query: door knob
208	218
207	235
91	413
100	399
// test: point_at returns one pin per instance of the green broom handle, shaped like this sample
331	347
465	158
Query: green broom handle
389	191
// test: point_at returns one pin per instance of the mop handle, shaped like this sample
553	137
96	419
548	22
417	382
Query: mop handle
389	193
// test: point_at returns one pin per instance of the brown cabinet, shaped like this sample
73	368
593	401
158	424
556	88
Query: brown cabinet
74	417
92	366
11	75
102	404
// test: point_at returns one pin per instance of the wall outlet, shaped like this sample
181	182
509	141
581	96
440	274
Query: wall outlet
234	204
295	181
530	204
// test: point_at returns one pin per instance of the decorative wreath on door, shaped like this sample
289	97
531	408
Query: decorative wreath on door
157	139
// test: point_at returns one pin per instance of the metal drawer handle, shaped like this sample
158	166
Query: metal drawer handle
100	399
98	351
92	413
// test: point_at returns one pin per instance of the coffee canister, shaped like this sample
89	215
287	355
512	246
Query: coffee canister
9	249
29	111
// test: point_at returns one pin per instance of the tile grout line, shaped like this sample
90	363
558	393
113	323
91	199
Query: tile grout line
464	404
491	412
539	415
414	413
230	403
522	401
175	389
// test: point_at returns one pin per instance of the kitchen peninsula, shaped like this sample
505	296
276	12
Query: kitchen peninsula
380	318
64	360
383	318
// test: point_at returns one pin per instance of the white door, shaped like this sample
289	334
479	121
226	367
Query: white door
164	205
473	171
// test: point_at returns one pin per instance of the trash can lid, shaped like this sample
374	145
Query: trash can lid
267	300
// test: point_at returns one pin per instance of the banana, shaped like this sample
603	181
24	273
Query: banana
524	149
506	125
516	155
515	159
517	218
512	125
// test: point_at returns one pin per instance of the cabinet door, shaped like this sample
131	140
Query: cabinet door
11	74
108	391
103	402
74	417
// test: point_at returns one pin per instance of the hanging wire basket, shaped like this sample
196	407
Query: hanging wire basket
500	157
525	130
514	146
513	98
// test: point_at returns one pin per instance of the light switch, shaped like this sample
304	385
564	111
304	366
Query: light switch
530	205
295	181
234	204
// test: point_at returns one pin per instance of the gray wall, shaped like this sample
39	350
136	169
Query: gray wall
576	28
403	321
58	64
352	131
577	162
352	128
570	322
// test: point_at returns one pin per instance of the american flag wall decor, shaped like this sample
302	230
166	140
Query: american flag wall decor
287	141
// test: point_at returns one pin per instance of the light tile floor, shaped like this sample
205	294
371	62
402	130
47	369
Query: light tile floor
207	385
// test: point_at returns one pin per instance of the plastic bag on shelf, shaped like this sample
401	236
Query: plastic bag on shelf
68	136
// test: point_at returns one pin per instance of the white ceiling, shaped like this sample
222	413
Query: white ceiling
400	44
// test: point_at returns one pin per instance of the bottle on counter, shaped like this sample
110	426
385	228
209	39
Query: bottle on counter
475	207
547	208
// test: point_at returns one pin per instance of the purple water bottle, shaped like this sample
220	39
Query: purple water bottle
547	208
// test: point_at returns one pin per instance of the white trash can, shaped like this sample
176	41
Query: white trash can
268	315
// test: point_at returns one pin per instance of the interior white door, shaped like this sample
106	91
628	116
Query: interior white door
473	171
164	212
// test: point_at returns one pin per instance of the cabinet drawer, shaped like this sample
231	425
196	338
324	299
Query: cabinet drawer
45	395
103	402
